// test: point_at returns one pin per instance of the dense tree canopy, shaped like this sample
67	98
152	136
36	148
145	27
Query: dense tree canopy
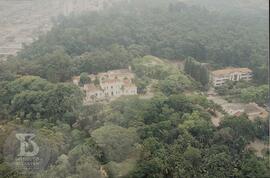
35	98
197	70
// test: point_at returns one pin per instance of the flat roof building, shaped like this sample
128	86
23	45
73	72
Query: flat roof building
219	77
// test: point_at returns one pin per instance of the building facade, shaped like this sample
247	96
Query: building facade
219	77
112	84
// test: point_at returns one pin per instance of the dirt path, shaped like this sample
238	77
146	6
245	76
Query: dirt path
217	119
149	93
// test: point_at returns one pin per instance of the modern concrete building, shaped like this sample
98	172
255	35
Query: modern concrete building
219	77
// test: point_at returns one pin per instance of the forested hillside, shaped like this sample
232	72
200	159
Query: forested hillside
165	29
166	131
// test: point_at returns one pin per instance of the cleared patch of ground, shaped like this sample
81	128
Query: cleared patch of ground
251	109
259	147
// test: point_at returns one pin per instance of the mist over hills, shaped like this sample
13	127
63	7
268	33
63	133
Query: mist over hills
229	5
70	87
22	21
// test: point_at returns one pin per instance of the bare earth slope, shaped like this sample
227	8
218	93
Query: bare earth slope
21	21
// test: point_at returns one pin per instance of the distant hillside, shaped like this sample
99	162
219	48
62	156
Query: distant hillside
21	21
162	28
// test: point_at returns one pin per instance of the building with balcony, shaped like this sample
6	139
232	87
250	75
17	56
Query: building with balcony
112	84
219	77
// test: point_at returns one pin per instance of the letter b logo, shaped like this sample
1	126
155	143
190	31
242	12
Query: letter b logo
27	146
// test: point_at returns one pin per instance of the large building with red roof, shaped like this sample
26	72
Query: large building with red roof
112	84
